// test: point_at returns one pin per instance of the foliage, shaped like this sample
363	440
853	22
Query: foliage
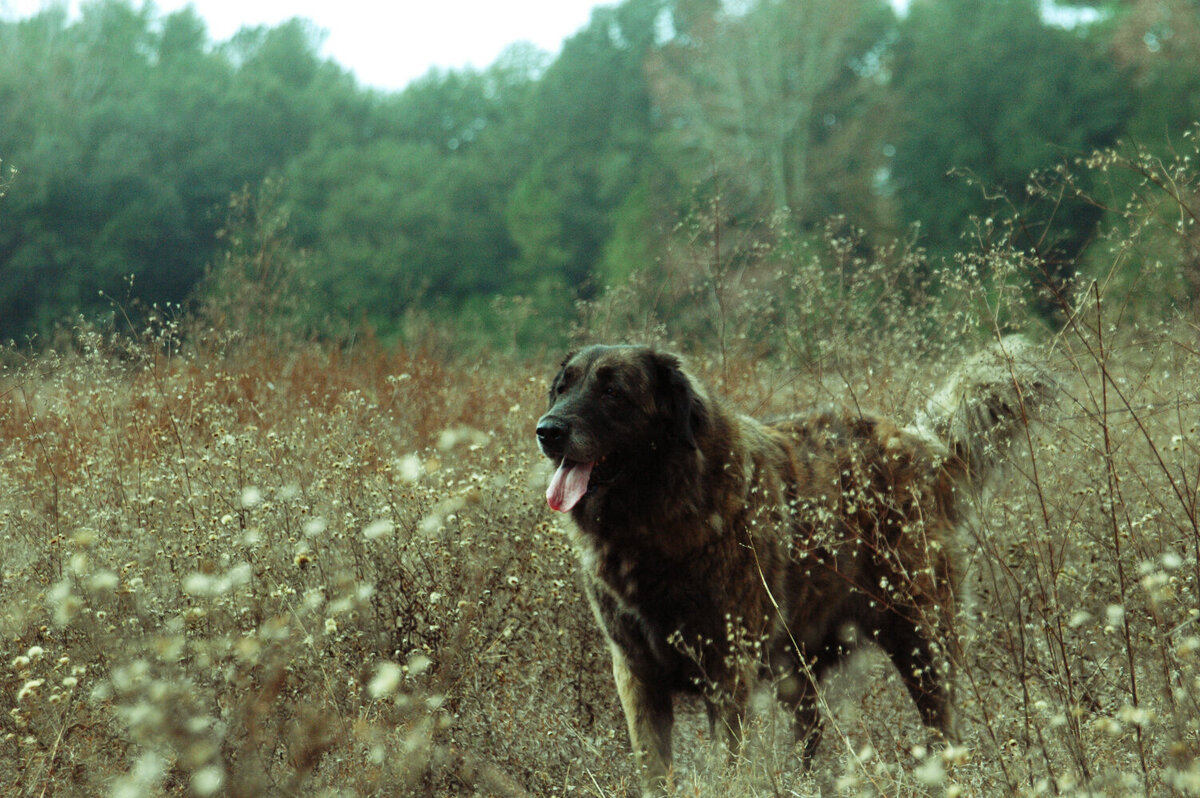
412	215
1157	44
769	97
1150	253
542	181
593	124
129	135
1004	97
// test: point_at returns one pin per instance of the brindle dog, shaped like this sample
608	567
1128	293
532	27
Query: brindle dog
718	550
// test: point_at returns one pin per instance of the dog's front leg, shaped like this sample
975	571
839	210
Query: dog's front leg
727	718
650	717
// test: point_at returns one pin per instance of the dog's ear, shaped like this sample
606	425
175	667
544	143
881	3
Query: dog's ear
677	397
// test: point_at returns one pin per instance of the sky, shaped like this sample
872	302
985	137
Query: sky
389	44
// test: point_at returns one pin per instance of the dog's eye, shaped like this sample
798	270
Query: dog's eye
610	392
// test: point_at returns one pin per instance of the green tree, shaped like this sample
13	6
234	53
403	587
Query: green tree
773	97
989	89
409	211
130	134
84	139
593	123
1157	43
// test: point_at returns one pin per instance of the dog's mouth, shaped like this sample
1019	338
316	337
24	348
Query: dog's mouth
573	479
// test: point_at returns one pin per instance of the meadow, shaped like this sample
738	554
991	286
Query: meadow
236	561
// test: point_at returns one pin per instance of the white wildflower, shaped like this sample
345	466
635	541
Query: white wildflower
31	688
103	581
208	780
1079	618
378	529
409	467
418	663
386	680
251	497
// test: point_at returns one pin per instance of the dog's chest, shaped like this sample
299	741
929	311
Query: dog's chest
636	581
663	596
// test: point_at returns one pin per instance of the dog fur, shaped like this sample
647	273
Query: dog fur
718	551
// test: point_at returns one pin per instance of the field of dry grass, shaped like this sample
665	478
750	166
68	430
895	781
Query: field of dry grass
260	567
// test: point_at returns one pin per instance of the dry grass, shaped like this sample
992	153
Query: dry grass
280	575
308	573
251	566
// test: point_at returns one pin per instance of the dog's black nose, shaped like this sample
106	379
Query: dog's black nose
551	432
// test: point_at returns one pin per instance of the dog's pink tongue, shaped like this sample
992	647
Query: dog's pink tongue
568	485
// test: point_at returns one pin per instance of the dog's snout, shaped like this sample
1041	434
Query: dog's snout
551	432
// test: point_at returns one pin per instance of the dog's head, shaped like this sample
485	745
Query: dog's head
615	412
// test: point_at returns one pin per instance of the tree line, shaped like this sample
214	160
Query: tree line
551	178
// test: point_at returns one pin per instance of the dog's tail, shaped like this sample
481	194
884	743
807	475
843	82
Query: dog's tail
986	404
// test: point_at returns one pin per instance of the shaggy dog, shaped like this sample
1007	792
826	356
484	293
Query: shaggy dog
718	550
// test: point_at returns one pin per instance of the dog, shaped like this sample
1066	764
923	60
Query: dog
718	551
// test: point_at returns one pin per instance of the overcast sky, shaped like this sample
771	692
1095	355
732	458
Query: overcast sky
388	44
